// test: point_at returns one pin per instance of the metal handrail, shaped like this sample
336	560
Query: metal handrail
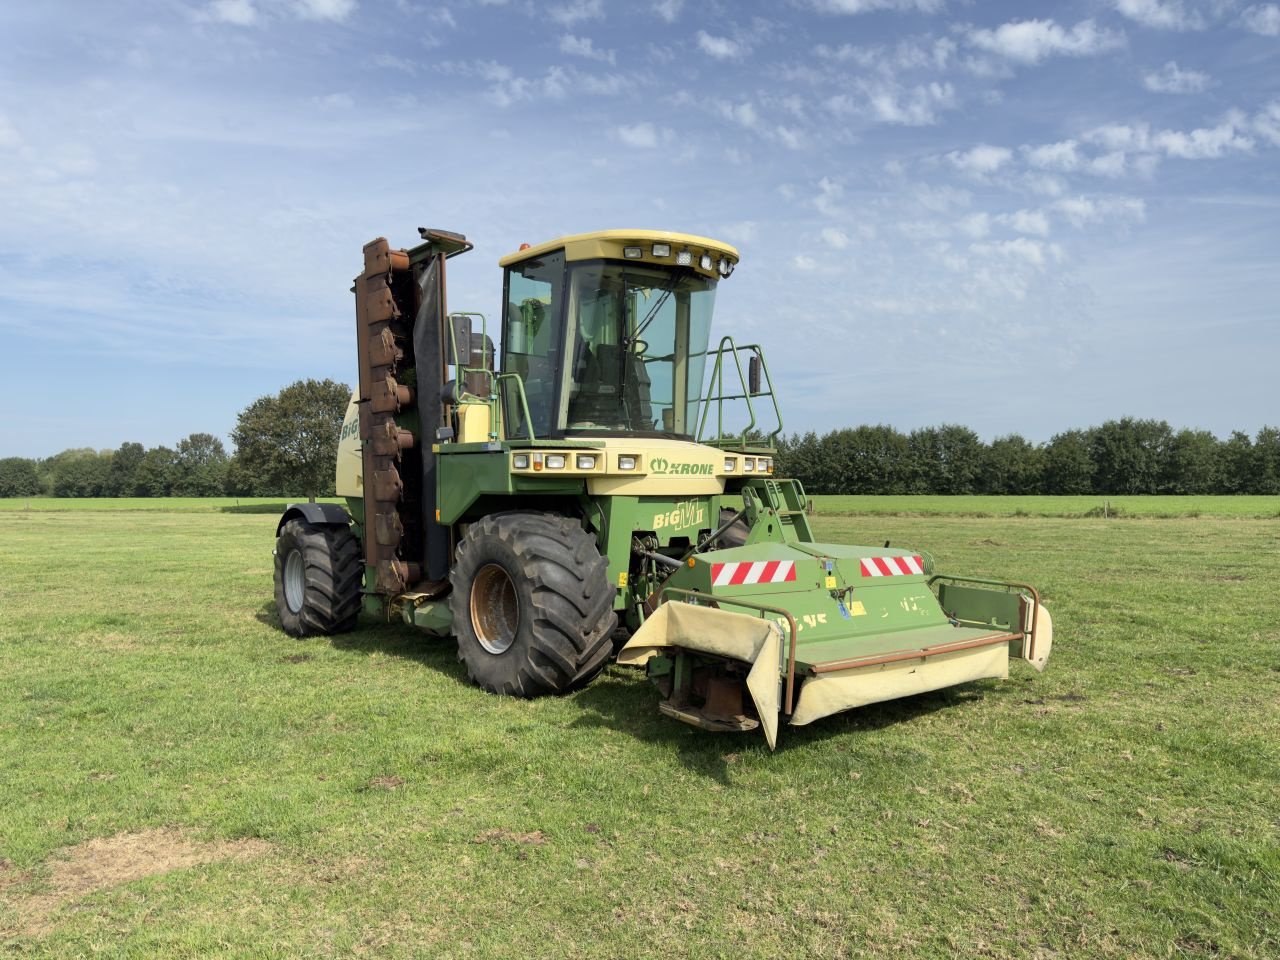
792	628
524	403
715	391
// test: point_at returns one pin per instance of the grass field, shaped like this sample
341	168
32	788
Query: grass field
179	779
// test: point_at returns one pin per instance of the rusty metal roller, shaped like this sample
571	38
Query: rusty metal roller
388	396
387	485
379	305
380	258
389	440
389	529
383	350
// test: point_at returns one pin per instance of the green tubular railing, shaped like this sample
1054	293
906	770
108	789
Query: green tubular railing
716	393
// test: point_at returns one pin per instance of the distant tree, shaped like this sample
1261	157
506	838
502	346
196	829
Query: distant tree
1192	464
1236	458
1011	465
19	477
80	473
1266	462
122	478
1129	454
798	458
288	443
200	468
944	460
1068	465
866	460
156	473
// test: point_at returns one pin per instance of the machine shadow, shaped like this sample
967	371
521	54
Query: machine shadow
622	699
392	639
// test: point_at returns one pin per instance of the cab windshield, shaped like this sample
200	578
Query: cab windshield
636	346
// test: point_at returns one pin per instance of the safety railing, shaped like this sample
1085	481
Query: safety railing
716	393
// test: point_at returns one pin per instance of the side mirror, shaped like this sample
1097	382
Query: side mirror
753	374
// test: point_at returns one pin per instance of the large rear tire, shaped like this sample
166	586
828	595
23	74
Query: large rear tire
318	574
532	604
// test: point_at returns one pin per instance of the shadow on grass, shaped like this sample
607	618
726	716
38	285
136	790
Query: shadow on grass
393	639
622	699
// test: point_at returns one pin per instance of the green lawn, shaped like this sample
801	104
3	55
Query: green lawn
150	504
179	779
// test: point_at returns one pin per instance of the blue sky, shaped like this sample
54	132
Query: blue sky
1021	217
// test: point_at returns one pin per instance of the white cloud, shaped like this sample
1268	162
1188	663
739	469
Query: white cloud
9	136
334	10
743	113
242	13
585	47
789	138
722	48
976	225
835	238
916	107
1081	211
1263	19
642	135
740	233
1162	14
981	160
1205	143
869	6
1266	123
1031	41
829	193
1173	79
802	262
1034	252
1032	222
1120	136
929	53
1064	155
668	10
1108	165
567	14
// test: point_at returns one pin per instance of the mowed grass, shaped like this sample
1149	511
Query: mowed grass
1037	506
356	797
149	504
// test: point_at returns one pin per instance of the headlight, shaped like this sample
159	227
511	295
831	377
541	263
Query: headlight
767	465
520	461
586	461
729	464
726	268
662	249
555	461
684	258
633	253
748	465
626	462
706	261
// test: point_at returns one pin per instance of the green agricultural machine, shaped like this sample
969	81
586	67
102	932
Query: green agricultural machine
602	486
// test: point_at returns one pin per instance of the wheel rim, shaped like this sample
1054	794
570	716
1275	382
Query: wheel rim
295	581
495	609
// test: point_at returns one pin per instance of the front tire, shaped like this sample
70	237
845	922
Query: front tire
318	572
532	604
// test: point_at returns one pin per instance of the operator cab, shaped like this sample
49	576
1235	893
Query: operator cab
608	333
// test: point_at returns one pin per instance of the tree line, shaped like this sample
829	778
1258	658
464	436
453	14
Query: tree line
1126	456
284	445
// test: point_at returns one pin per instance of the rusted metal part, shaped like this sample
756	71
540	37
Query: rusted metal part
699	718
918	654
389	396
723	698
792	629
389	529
389	440
383	349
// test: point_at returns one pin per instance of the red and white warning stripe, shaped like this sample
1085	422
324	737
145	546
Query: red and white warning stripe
762	571
891	566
